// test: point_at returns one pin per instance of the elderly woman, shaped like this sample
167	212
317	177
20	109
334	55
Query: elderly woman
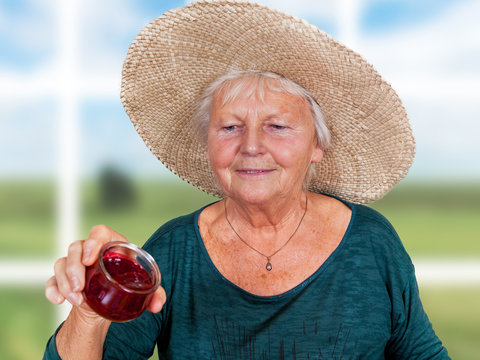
288	265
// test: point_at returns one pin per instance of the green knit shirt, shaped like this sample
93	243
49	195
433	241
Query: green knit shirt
362	303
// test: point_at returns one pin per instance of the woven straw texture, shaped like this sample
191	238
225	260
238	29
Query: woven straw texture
176	56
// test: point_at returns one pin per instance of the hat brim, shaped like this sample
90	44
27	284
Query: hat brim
176	56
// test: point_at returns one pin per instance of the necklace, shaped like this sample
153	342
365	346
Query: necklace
268	257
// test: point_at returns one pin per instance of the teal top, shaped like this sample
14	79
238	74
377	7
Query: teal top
362	303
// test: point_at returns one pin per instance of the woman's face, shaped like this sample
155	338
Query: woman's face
261	150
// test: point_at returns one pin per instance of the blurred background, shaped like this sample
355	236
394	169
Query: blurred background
70	158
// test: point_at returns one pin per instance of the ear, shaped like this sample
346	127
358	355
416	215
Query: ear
317	154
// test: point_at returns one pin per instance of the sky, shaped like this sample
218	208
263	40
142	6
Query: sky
55	52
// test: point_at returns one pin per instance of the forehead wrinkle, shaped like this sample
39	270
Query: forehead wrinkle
257	87
246	87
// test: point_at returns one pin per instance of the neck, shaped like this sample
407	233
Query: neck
269	246
266	218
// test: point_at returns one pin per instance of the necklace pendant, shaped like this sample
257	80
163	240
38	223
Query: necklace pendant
269	266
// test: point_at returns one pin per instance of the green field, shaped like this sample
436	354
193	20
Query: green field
432	220
435	219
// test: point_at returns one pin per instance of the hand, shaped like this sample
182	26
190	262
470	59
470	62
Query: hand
69	279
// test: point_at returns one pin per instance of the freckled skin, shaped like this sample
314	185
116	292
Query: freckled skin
261	151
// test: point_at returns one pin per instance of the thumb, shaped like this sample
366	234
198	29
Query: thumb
157	301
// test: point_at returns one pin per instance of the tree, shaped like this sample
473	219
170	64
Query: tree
116	189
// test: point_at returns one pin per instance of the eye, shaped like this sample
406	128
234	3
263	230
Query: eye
278	127
229	128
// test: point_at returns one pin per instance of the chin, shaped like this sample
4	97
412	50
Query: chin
253	196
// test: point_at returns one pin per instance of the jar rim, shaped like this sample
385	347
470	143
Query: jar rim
155	271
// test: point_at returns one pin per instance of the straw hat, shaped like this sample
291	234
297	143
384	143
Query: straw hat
174	58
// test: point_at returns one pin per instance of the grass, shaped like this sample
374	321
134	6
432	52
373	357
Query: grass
435	220
432	220
155	204
27	218
455	315
26	323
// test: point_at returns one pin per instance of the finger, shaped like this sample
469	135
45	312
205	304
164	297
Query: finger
99	236
158	300
63	283
74	267
52	293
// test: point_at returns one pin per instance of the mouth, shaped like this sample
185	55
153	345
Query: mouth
254	171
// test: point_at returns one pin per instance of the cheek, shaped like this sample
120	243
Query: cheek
290	154
284	157
220	155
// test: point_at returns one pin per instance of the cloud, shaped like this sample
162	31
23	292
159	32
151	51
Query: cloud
26	33
27	138
101	34
105	30
437	58
325	10
434	67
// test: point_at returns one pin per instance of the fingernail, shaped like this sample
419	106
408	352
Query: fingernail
75	298
76	284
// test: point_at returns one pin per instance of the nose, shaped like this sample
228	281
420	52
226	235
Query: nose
252	142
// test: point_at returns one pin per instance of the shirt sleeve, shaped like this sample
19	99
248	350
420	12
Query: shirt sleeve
134	339
51	352
412	334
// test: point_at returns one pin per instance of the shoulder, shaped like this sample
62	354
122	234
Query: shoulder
373	230
175	232
362	219
174	225
173	246
370	220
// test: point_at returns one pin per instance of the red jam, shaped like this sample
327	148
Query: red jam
124	298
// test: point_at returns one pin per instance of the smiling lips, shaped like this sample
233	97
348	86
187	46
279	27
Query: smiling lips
254	171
